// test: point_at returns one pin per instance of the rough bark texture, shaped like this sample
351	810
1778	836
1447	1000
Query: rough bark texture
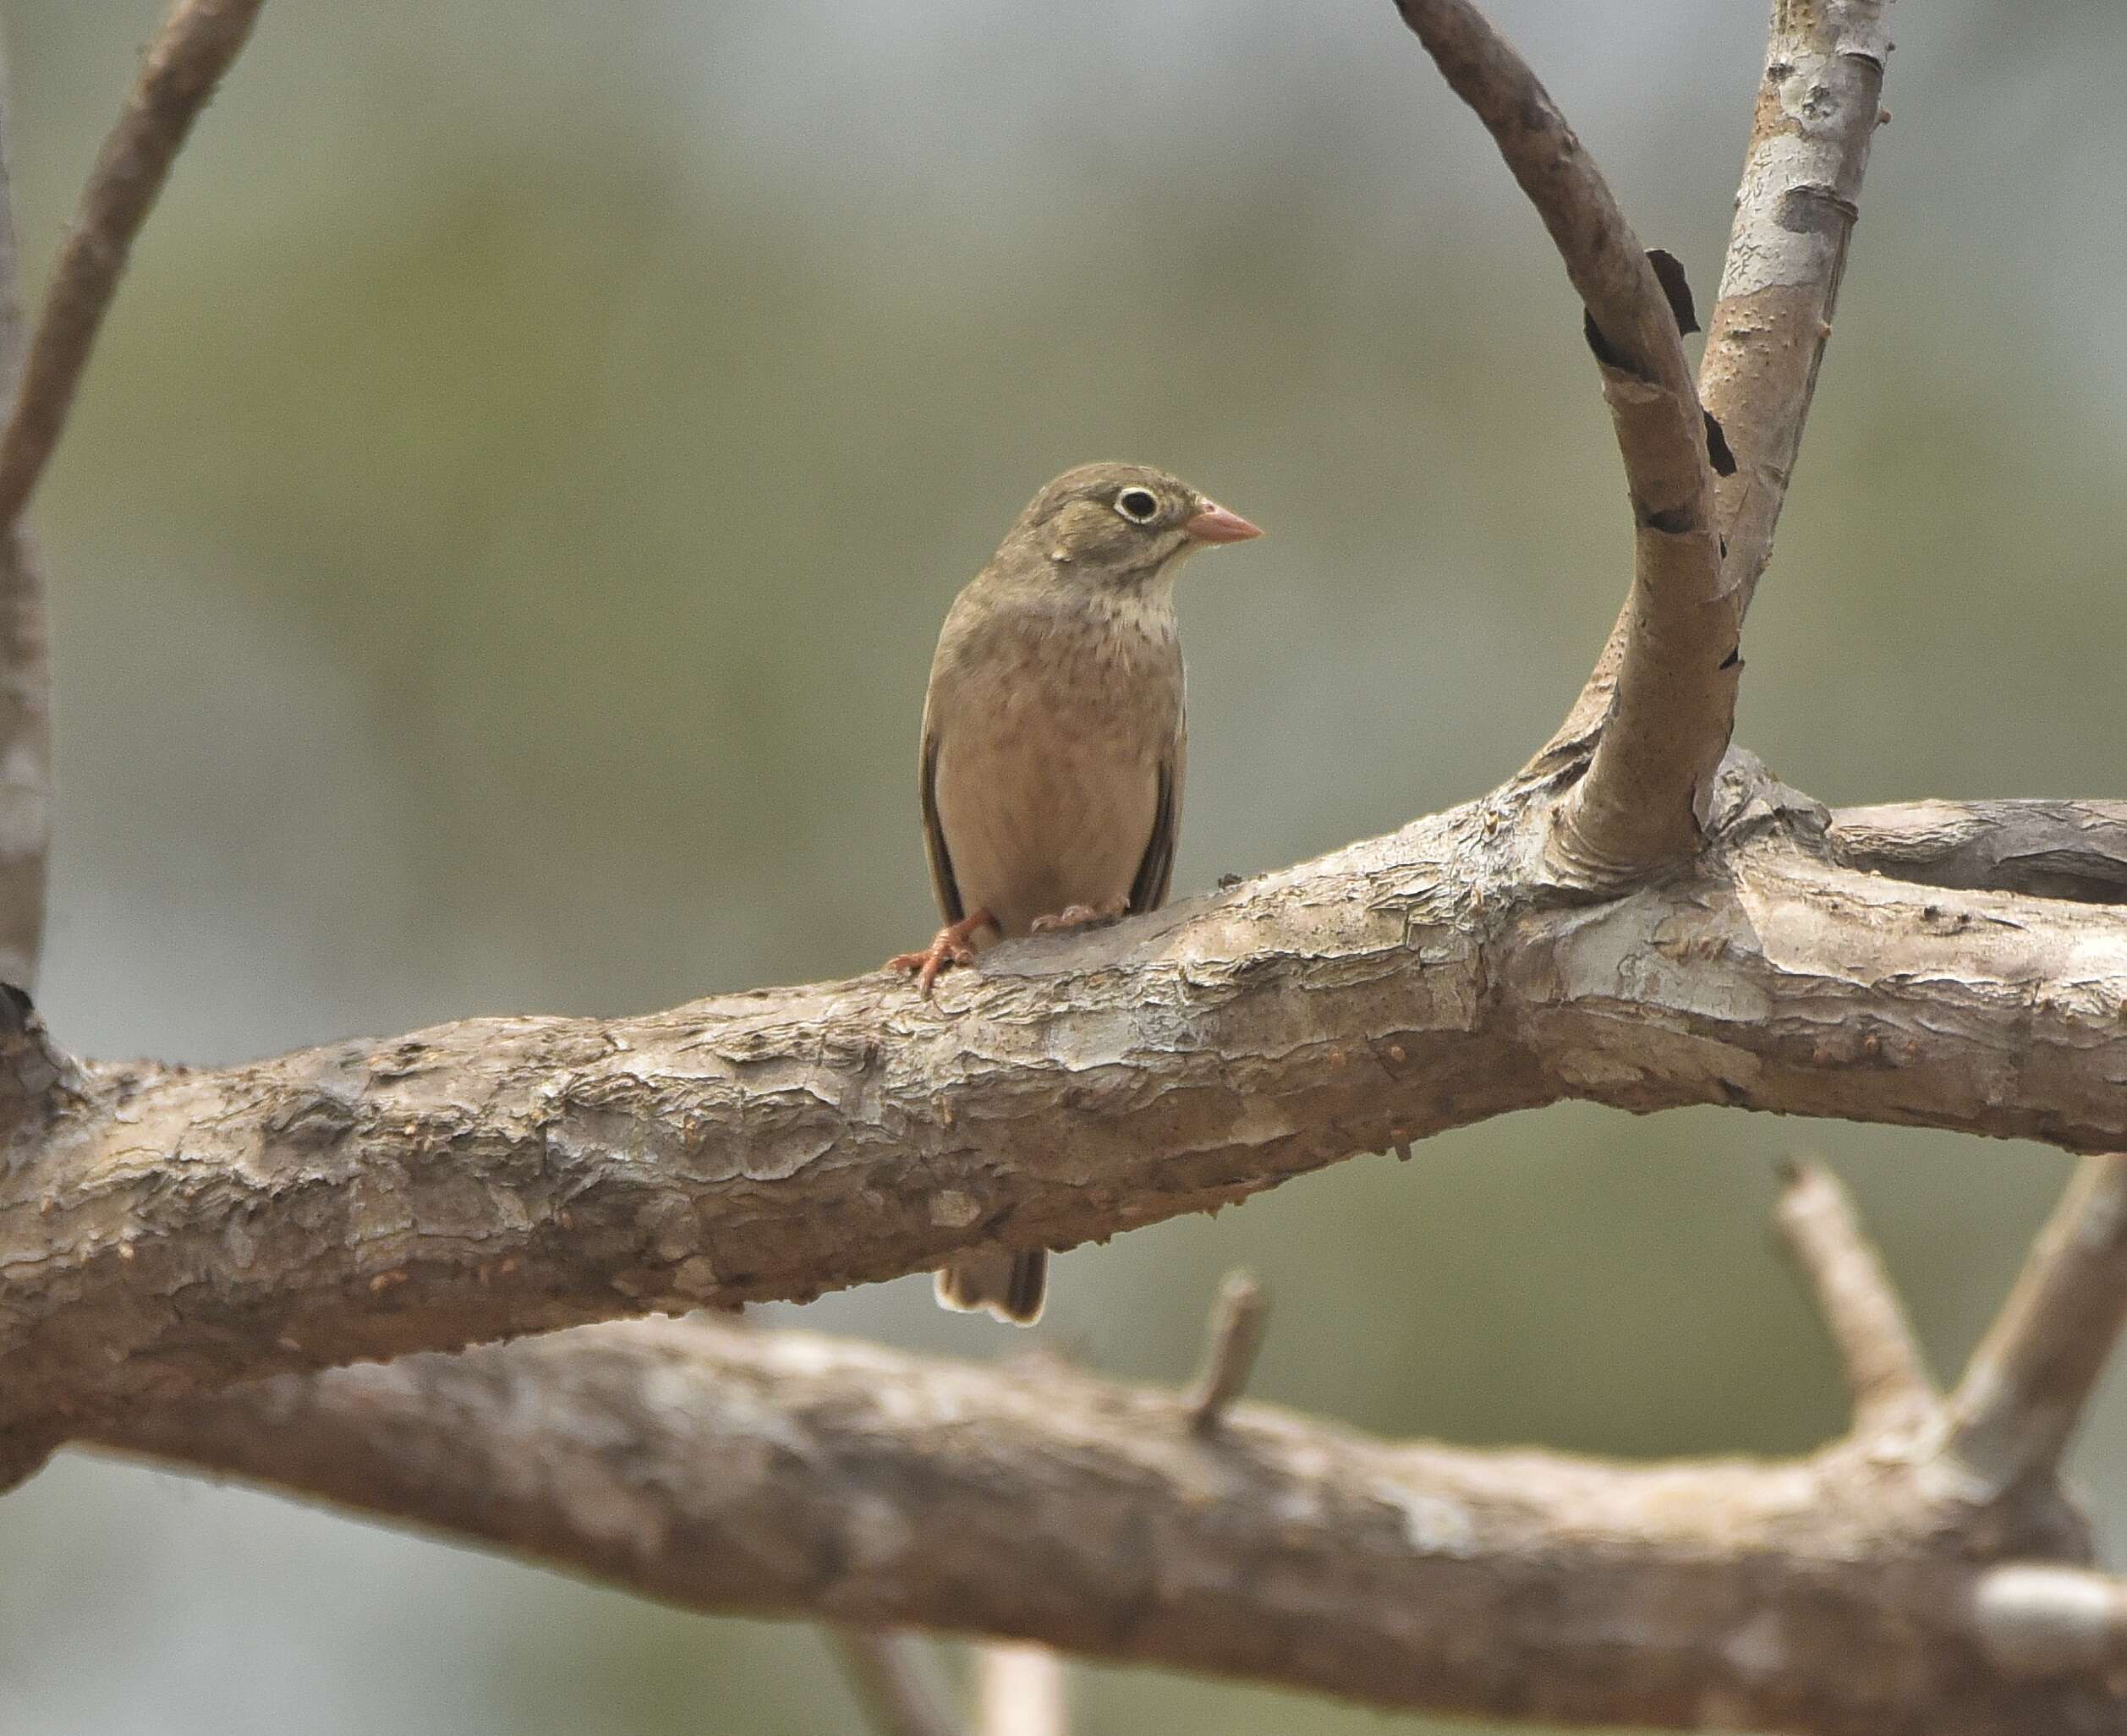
166	1235
163	1230
726	1469
2051	849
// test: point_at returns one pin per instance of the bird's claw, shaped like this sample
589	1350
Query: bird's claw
951	946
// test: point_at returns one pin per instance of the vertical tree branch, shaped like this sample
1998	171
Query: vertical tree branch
2025	1387
25	665
1817	112
196	44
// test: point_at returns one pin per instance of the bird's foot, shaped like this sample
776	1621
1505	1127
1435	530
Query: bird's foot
951	946
1078	915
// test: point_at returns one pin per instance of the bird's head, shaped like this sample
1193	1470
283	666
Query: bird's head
1121	525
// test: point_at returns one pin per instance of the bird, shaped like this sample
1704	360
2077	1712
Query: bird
1055	739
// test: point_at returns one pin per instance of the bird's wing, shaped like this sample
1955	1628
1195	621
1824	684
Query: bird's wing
1148	891
942	862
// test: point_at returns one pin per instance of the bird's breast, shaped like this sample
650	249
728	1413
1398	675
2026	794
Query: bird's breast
1050	740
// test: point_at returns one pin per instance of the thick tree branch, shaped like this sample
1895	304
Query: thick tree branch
779	1472
1816	115
163	1229
2052	849
197	44
1860	1308
2027	1385
1666	699
26	663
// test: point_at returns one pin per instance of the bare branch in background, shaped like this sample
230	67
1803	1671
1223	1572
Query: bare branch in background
196	44
891	1676
1665	694
776	1472
1817	112
2026	1386
1883	1365
1237	1321
25	659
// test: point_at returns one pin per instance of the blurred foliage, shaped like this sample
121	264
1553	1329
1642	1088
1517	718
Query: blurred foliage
498	553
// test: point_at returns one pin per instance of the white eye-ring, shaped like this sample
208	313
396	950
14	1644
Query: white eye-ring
1140	506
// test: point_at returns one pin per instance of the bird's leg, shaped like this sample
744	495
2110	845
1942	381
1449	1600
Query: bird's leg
1079	916
950	946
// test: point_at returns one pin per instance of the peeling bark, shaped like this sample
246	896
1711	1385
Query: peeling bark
164	1230
2050	849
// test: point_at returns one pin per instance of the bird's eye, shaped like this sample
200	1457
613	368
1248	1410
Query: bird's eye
1140	506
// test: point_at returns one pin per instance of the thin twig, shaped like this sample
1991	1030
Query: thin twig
1237	1321
197	43
1822	1232
26	663
2025	1387
1664	695
1020	1691
892	1681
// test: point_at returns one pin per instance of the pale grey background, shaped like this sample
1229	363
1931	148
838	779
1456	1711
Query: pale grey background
497	554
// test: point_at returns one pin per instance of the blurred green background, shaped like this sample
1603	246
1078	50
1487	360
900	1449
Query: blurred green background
497	554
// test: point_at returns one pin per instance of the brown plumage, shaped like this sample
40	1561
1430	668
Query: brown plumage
1054	746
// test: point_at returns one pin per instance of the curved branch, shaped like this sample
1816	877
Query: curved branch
776	1472
163	1229
1663	697
197	44
1817	116
2050	849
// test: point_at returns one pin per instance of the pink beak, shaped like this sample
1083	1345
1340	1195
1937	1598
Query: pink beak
1215	525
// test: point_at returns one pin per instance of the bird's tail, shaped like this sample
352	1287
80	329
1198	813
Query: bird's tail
1009	1285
